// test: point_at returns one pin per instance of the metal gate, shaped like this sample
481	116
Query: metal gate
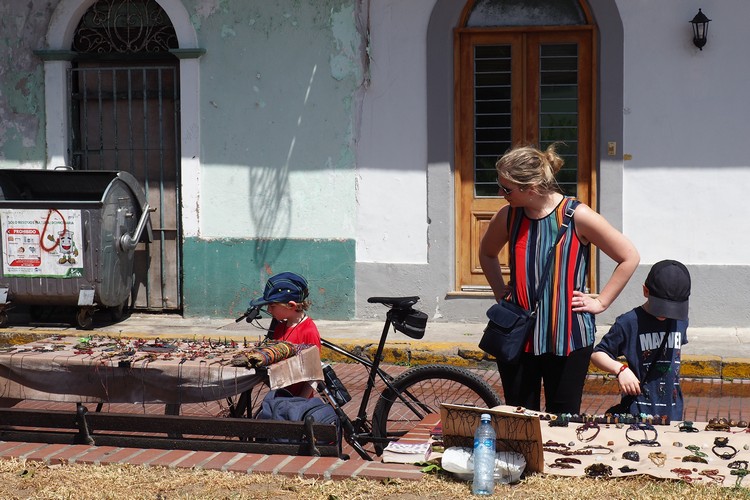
125	117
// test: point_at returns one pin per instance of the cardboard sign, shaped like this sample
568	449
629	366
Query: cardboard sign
517	432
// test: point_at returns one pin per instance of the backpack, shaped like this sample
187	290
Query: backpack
282	405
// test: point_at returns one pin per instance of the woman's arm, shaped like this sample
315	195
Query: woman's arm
593	228
492	242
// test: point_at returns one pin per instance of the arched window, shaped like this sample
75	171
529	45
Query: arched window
125	27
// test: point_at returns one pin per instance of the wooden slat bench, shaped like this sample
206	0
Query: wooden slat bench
169	432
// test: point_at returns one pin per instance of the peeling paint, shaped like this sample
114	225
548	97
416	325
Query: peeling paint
227	31
347	62
22	84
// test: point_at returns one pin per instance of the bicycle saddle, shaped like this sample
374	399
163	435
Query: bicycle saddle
395	302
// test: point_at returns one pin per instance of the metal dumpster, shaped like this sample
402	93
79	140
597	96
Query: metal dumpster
69	238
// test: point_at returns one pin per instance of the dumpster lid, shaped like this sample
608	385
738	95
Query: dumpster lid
54	185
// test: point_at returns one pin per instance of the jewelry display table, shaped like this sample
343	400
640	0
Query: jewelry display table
175	372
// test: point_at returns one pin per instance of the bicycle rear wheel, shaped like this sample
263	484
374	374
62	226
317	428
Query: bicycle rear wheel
419	391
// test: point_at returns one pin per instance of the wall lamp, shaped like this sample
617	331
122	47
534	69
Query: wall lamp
700	29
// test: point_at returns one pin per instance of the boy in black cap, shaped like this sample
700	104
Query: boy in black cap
650	338
285	296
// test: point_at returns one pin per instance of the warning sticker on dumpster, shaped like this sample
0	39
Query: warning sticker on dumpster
42	243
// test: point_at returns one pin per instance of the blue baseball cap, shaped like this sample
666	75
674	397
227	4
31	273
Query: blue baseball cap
283	287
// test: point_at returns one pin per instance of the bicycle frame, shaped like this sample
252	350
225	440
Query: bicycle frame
358	431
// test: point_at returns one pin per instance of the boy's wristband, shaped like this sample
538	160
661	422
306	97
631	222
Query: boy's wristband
622	369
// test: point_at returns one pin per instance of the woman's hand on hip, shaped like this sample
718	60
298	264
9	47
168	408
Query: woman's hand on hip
583	302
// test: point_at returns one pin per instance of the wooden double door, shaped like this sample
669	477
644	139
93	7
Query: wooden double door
517	86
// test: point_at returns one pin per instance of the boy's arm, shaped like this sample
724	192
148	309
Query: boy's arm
629	383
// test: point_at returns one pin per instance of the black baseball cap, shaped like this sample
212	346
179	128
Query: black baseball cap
668	284
283	287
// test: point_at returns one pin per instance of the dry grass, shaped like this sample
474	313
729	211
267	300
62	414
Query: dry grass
19	479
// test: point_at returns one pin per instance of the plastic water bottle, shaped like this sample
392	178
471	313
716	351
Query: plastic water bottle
484	458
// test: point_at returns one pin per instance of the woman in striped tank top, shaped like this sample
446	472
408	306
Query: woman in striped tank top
557	354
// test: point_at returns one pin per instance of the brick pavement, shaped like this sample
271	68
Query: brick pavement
704	399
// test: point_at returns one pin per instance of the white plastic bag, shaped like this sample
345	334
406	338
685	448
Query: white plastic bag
509	465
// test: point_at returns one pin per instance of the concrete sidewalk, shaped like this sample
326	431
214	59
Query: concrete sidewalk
720	353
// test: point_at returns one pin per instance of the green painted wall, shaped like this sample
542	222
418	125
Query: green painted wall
222	276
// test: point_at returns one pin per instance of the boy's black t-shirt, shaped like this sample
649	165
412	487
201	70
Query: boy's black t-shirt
637	335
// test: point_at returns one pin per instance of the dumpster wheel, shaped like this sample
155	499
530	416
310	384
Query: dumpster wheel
85	318
119	312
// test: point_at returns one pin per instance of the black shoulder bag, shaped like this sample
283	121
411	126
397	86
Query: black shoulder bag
623	407
510	324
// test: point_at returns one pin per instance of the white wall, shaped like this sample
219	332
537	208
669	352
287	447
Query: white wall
392	151
686	127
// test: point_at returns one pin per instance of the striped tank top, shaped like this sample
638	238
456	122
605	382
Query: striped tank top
558	330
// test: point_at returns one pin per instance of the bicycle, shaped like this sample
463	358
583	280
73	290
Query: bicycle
407	398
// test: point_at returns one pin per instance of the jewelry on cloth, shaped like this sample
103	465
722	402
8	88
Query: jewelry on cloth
558	422
718	424
645	428
580	430
626	469
598	470
558	465
695	458
565	463
658	458
593	447
713	475
696	450
740	473
737	464
632	456
687	426
723	442
683	474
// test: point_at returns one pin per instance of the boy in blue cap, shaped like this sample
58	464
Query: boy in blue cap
651	337
285	298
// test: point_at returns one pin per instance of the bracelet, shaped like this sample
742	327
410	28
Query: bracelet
658	458
645	441
687	426
592	447
623	367
583	428
598	470
722	442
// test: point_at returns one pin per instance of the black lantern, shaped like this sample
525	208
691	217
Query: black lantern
700	29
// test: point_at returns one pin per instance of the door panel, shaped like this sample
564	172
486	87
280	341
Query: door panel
516	87
126	118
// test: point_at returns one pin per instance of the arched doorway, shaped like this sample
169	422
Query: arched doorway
525	74
123	87
58	59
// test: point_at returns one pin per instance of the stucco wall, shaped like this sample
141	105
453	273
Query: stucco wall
277	184
322	149
22	143
277	86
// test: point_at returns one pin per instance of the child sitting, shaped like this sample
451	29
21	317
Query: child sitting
286	299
